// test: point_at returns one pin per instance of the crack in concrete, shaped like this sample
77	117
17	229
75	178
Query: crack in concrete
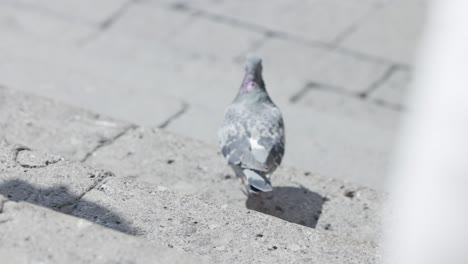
19	149
167	122
107	142
2	205
67	208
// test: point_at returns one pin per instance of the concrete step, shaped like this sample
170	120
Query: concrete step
187	166
34	234
192	167
226	234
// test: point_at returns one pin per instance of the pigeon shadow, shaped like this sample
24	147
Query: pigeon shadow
60	199
293	204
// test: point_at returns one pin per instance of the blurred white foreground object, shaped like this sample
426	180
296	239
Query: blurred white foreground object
429	181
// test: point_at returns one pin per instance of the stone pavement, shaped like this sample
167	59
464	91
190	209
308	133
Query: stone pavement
223	233
338	69
163	158
33	234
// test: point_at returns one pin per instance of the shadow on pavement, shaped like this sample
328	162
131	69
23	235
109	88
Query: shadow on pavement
59	198
293	204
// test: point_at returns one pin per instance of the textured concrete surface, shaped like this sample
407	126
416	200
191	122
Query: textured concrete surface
103	57
226	234
192	167
48	180
45	124
33	234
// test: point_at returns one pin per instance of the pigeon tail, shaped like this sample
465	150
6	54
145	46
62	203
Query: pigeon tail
256	183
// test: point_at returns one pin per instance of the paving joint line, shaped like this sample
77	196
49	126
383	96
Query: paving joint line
300	94
379	81
68	207
107	23
107	142
281	34
294	99
184	108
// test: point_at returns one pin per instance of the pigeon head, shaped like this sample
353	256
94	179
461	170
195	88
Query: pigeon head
253	80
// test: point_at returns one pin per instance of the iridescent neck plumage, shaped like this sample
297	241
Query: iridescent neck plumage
253	79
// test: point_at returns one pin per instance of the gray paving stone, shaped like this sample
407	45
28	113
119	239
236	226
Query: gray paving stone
43	179
32	234
392	32
200	122
176	54
347	148
223	43
321	20
45	124
37	26
338	103
182	34
395	89
194	168
226	234
106	87
165	23
86	11
290	66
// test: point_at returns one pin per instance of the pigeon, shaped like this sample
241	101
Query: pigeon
252	133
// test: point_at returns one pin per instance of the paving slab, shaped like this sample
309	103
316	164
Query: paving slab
346	148
33	234
395	89
291	66
173	55
84	11
192	167
339	103
45	124
225	234
321	20
39	26
391	32
106	87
